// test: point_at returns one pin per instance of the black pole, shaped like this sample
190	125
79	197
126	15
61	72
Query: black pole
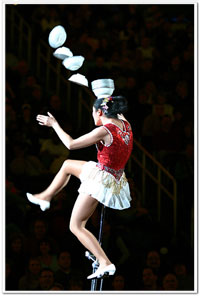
103	211
95	264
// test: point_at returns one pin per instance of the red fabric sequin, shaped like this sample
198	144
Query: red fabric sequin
116	155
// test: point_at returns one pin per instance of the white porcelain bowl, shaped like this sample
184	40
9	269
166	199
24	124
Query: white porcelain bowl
73	63
57	36
103	92
99	83
62	53
103	87
79	79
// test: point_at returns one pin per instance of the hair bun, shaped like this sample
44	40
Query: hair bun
112	106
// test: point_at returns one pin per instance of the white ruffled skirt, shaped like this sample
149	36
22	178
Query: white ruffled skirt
103	186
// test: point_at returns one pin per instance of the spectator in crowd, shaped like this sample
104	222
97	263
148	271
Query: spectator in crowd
76	284
11	117
46	258
65	271
30	281
57	287
175	70
57	108
161	106
185	280
29	131
163	141
36	99
188	131
159	267
182	97
177	128
24	163
153	260
170	282
118	282
149	280
11	281
46	280
38	232
27	87
16	253
142	109
146	48
184	174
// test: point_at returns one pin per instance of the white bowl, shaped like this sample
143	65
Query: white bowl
103	87
99	83
62	53
103	92
73	63
79	79
57	36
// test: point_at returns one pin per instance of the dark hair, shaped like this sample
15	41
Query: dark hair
117	105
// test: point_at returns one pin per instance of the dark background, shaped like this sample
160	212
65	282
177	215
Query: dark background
149	52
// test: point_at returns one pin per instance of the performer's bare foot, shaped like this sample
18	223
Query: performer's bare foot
42	196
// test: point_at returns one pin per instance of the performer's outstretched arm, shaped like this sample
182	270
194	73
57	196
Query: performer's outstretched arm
84	141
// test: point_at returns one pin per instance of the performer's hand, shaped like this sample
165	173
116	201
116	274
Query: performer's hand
121	116
46	120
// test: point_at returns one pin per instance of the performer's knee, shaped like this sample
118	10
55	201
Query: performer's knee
76	227
67	166
73	227
66	163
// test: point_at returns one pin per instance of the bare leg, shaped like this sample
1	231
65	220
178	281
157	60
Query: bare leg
83	209
69	167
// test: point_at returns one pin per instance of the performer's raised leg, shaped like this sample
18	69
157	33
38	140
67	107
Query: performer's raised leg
69	167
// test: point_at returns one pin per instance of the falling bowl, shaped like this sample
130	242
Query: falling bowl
73	63
62	53
57	36
79	79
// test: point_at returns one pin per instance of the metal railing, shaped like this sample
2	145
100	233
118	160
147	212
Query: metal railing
165	184
18	33
153	176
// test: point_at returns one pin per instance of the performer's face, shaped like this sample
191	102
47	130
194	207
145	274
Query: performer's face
97	116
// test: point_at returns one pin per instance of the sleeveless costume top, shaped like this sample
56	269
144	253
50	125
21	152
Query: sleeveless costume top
113	157
105	180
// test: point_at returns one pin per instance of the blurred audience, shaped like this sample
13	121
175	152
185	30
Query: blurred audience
149	51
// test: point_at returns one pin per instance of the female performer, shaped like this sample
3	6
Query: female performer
104	181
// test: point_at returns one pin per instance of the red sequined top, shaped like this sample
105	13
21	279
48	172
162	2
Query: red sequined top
114	156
